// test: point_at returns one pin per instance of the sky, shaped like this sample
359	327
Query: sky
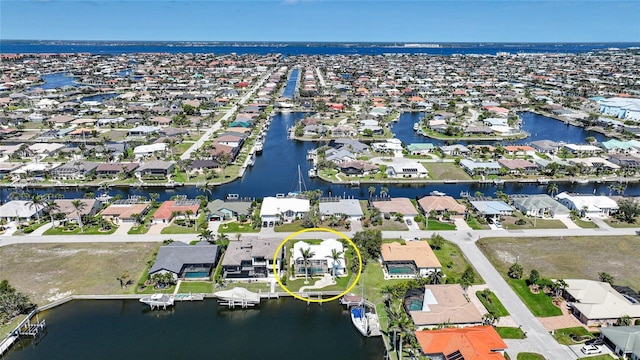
422	21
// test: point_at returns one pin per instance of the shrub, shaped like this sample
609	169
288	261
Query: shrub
520	222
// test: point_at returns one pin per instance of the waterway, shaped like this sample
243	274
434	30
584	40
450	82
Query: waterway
56	80
126	329
290	89
276	170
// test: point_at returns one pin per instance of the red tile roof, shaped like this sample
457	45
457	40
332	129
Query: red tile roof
474	343
168	207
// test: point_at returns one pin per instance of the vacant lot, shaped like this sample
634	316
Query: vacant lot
569	257
445	171
48	272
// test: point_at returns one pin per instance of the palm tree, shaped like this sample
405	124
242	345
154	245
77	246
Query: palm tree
552	188
384	191
78	206
306	255
400	322
52	207
372	190
436	277
335	256
38	203
207	190
188	214
206	235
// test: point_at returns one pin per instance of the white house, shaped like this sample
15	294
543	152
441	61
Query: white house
321	262
148	150
275	209
588	205
21	210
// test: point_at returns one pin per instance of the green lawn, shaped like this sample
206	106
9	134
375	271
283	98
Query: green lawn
599	357
540	304
138	230
530	356
492	304
621	224
585	224
566	336
475	225
234	227
510	332
290	227
453	262
152	290
196	287
445	171
87	231
177	229
437	225
5	329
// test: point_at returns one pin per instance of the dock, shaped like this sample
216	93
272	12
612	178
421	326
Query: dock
25	328
240	297
189	297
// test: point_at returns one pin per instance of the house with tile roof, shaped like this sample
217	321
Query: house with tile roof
441	205
186	262
252	259
176	209
415	258
402	206
470	343
439	304
597	303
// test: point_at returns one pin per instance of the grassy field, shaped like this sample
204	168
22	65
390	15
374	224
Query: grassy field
492	304
540	304
437	225
48	272
509	222
569	257
453	262
530	356
565	336
234	227
196	287
510	332
445	171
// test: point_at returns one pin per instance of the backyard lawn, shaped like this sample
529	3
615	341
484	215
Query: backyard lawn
568	257
196	287
453	262
540	304
445	171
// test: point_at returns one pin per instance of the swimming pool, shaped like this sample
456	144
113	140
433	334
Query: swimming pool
197	274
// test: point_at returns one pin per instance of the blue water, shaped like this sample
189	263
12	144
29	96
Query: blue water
290	89
196	275
99	97
54	81
26	46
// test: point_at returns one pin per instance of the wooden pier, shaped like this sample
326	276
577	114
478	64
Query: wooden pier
34	330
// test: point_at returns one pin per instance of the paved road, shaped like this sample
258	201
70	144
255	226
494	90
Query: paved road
215	127
538	338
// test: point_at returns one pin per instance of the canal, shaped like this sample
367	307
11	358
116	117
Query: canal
126	329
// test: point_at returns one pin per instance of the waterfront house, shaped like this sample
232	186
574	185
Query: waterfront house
579	149
277	210
229	140
321	261
65	206
415	258
352	145
74	170
112	170
596	303
176	209
390	146
441	205
539	205
340	207
124	211
588	205
357	167
492	208
420	149
186	262
7	167
546	146
252	259
21	210
220	210
482	168
406	169
157	169
200	166
402	206
34	171
471	343
454	150
339	156
625	161
624	340
519	150
438	304
518	166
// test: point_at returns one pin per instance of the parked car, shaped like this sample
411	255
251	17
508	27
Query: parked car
409	222
595	341
591	349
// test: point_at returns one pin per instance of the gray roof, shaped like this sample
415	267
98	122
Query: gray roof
239	207
492	207
626	338
349	207
174	256
351	144
539	201
245	249
156	164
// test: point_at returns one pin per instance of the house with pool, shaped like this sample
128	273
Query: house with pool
408	261
186	262
321	261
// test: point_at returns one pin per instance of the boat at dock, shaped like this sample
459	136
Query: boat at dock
158	300
237	297
258	147
416	126
437	193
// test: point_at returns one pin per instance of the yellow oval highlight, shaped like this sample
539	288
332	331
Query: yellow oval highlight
275	270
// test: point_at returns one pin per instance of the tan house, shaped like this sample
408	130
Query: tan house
123	212
408	261
441	205
439	304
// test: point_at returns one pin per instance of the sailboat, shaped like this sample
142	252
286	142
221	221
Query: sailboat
301	185
366	323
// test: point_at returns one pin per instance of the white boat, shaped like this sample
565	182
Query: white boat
359	320
237	297
158	300
437	193
416	126
258	147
